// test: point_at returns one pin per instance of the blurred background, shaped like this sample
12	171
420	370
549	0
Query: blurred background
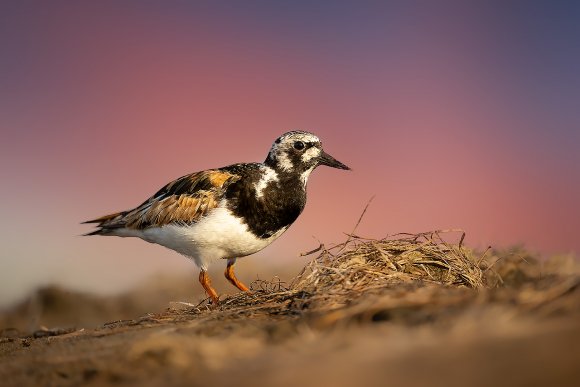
454	114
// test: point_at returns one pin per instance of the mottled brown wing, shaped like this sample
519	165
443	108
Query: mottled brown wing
183	201
179	209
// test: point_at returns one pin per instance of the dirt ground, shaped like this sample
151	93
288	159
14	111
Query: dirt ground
520	327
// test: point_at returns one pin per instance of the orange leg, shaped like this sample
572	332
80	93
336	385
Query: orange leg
232	277
206	283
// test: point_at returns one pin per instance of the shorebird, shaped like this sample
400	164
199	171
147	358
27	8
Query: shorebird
226	213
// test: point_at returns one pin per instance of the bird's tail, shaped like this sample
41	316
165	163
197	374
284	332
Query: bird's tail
106	224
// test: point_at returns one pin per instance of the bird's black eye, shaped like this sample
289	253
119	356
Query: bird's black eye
299	145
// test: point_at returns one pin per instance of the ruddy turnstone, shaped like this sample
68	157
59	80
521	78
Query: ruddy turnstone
229	212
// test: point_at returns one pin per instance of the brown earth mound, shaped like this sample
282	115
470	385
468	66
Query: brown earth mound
407	310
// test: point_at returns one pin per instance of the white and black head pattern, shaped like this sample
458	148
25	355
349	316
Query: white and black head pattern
299	152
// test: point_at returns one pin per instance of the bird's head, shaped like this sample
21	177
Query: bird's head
299	152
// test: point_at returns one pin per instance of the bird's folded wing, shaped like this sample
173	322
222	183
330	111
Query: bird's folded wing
183	201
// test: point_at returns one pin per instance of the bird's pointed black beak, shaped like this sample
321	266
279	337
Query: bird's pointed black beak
328	160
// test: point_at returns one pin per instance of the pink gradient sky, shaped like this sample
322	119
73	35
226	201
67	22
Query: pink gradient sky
453	115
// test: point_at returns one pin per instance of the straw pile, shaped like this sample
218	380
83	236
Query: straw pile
340	275
359	263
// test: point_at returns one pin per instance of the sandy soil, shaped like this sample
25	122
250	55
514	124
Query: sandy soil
525	332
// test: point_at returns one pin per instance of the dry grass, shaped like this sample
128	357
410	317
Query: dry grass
361	264
340	275
404	277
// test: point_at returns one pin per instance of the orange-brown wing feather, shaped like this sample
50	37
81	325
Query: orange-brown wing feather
183	201
183	209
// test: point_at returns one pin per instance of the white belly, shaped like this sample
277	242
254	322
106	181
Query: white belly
218	235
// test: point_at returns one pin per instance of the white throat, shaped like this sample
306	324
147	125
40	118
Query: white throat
304	175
